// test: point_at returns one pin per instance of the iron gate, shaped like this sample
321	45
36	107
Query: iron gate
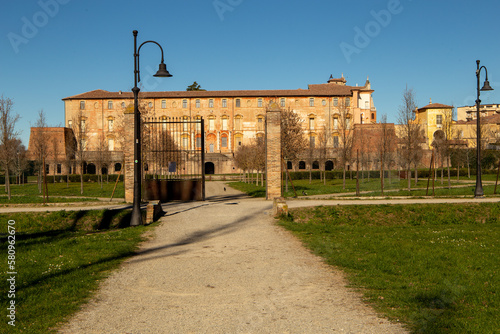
173	152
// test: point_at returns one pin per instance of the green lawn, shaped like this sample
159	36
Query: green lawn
371	187
60	259
432	267
61	192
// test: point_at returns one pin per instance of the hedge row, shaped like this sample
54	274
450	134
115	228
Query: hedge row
86	178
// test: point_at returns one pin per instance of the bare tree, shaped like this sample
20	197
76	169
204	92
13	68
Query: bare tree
79	131
385	147
40	146
410	134
21	160
293	140
8	134
346	143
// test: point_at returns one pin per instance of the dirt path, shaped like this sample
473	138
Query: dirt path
222	266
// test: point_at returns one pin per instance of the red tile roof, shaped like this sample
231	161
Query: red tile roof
313	90
435	106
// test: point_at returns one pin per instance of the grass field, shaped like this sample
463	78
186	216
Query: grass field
432	267
60	258
61	192
392	187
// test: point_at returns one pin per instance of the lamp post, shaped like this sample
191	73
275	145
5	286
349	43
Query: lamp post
486	86
162	72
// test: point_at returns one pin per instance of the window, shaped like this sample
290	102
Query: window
197	103
211	124
164	123
367	105
237	123
185	142
110	124
336	123
323	102
373	115
211	103
335	101
123	105
347	123
70	124
184	104
347	101
184	124
198	124
224	141
238	139
198	142
260	123
150	105
282	102
335	141
302	165
111	144
259	102
163	104
311	102
311	123
82	125
439	119
224	124
238	103
312	141
110	104
224	103
82	105
362	116
58	168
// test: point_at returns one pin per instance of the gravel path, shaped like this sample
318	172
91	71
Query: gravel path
223	266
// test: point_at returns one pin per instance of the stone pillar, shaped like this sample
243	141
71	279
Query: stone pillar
273	151
128	153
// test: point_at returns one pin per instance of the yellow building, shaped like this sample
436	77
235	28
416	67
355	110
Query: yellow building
232	118
437	120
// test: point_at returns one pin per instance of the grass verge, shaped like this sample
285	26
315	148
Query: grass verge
433	267
60	259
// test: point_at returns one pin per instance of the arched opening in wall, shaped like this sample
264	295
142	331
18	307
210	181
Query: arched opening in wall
104	170
329	165
315	165
302	165
118	167
289	165
209	167
91	169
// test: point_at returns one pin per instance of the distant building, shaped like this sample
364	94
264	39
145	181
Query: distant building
437	120
468	113
232	118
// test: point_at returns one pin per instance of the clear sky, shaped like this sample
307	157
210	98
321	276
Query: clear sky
51	49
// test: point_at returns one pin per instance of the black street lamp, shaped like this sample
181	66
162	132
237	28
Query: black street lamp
486	86
162	72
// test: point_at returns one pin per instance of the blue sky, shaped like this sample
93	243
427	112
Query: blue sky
51	49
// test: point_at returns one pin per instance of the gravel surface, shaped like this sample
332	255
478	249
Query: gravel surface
223	266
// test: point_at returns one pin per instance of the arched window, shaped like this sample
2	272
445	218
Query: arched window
302	165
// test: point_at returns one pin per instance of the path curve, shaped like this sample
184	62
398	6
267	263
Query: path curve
223	266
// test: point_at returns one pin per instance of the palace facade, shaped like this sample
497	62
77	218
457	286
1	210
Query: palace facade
232	118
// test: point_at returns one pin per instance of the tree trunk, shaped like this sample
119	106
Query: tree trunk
408	176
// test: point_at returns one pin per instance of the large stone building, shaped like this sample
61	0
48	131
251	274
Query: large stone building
232	118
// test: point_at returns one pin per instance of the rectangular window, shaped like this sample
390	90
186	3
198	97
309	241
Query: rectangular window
282	102
259	102
336	141
163	104
335	101
224	124
211	103
224	103
184	104
311	123
347	123
336	123
110	104
311	102
238	103
224	142
111	144
347	101
260	124
185	125
439	119
237	123
211	124
58	168
82	125
110	125
185	142
197	103
312	141
82	105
